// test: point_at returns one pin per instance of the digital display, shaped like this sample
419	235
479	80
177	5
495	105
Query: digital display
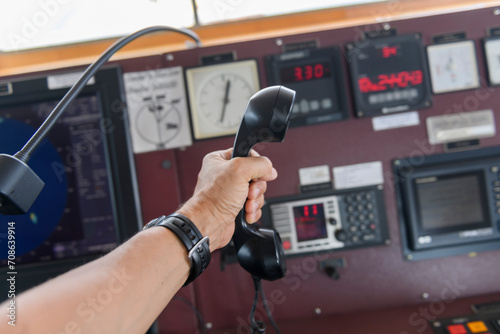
389	75
389	51
310	222
391	81
316	75
449	202
73	216
305	72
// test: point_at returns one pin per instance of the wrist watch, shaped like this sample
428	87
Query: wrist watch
196	244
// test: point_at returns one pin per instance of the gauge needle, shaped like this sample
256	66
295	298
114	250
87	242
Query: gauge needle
225	100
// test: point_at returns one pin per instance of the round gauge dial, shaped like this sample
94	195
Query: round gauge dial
218	96
492	51
453	66
223	98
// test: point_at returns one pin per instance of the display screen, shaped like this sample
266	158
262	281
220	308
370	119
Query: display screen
310	222
316	75
389	74
452	202
305	72
73	215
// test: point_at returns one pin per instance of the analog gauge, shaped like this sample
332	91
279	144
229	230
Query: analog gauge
218	96
453	66
492	51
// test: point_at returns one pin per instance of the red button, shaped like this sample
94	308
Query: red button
287	244
457	329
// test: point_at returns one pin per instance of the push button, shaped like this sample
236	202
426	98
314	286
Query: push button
477	327
456	329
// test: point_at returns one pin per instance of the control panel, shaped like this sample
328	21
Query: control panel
486	323
329	221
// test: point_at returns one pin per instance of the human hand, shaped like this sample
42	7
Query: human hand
222	188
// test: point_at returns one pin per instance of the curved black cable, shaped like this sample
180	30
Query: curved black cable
25	153
257	327
268	311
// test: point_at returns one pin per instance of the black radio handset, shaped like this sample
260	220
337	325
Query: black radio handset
260	250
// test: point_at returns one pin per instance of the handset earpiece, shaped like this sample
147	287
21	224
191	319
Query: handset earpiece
260	250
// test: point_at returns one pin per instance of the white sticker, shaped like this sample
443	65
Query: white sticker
359	175
395	121
314	175
65	80
157	108
462	126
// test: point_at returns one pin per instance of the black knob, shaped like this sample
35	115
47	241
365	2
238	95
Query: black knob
341	235
332	272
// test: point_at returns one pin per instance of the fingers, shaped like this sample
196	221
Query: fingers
253	209
256	189
255	201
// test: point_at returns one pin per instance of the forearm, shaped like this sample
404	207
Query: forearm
123	292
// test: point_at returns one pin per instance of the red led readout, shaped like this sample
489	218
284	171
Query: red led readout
391	81
389	51
308	72
305	72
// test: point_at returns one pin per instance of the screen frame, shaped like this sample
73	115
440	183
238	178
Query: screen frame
454	241
468	226
108	87
319	223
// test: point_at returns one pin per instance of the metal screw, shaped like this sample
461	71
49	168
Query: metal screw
397	162
166	164
409	257
279	42
425	295
386	26
317	311
170	57
496	11
387	242
208	325
436	324
360	113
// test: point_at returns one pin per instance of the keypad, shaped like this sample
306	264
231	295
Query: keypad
361	218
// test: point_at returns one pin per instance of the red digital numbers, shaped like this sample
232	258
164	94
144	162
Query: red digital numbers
391	81
308	72
389	51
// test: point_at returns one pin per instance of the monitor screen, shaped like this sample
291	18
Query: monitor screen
89	203
450	202
310	222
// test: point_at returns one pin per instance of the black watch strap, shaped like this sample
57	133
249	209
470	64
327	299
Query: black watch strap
197	245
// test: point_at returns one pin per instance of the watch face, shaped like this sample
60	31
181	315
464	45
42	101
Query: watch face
492	51
453	66
218	96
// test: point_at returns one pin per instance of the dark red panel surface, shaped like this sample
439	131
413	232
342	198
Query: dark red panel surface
377	282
